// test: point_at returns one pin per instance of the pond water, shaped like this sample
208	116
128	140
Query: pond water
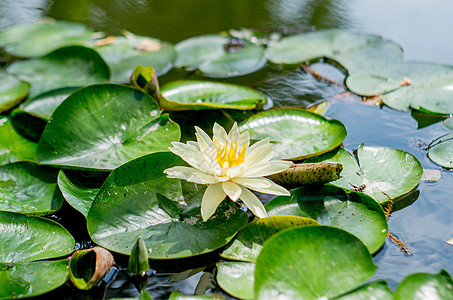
424	32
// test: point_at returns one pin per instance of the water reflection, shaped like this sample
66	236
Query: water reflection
23	11
308	13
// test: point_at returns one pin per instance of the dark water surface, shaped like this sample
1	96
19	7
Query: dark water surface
423	29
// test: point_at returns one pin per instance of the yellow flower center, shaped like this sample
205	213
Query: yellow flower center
229	155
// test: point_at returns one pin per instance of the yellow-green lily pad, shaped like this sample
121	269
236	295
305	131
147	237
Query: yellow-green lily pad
12	91
190	94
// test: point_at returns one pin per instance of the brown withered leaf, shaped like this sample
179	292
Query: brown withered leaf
105	41
149	45
406	81
373	100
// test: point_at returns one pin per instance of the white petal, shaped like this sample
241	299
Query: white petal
190	174
266	168
262	154
219	134
212	197
258	144
253	203
244	139
262	185
193	144
234	133
191	155
232	190
204	141
234	171
260	151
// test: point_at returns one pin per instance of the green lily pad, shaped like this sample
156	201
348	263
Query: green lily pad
139	200
353	51
237	63
351	175
373	290
420	86
25	238
29	279
311	262
12	91
249	241
190	94
387	173
31	118
119	124
236	278
76	194
195	50
448	123
441	151
28	125
71	66
354	212
176	295
13	147
144	295
421	286
296	133
125	53
28	188
45	104
35	40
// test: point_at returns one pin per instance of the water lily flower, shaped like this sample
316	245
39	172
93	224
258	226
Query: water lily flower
230	167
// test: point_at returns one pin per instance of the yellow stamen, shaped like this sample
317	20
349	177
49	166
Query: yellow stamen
229	155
